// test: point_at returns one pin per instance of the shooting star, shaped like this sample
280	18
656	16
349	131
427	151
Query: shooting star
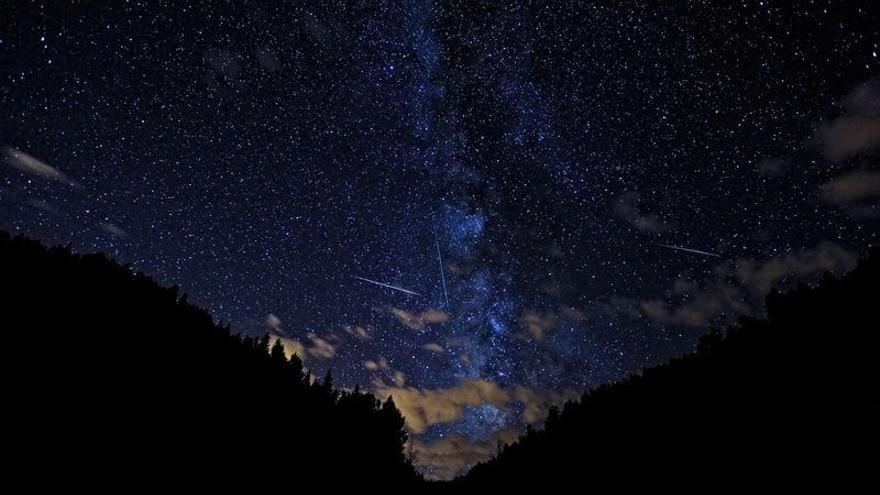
697	251
401	289
440	262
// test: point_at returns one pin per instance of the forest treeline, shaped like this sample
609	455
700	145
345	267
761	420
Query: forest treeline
787	401
111	379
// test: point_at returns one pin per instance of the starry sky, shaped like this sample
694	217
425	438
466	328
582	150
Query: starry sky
525	171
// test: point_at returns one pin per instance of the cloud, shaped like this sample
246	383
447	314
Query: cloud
852	187
848	136
572	314
291	346
24	162
399	378
273	322
455	454
418	321
379	364
434	347
422	408
112	229
318	347
357	332
699	310
826	257
740	288
856	131
857	192
537	324
627	208
537	403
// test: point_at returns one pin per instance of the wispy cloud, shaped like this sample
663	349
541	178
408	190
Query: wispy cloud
26	163
358	332
856	192
856	131
316	347
320	348
538	324
422	408
419	320
455	454
740	288
291	346
627	208
274	322
434	347
112	229
379	364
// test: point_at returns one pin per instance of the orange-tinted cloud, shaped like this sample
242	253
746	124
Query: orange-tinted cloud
538	324
434	347
455	454
422	408
739	288
857	131
419	320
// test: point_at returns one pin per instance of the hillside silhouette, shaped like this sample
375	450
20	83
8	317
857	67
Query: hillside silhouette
112	380
788	401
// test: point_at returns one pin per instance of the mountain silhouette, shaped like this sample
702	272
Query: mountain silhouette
789	402
114	381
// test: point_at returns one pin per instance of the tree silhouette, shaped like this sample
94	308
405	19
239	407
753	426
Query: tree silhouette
111	379
787	401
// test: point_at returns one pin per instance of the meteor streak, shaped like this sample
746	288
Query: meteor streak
401	289
440	262
697	251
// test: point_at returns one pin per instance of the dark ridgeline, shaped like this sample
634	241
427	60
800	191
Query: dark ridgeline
789	401
113	380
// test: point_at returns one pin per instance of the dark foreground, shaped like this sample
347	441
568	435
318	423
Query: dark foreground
113	381
790	401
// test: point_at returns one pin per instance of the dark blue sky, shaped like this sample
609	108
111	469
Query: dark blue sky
532	155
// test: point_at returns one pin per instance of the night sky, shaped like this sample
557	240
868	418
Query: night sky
524	171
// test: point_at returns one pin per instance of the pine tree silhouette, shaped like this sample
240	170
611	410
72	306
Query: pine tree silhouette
112	380
782	402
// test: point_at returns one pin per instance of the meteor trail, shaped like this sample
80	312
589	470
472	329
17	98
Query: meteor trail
386	285
440	262
697	251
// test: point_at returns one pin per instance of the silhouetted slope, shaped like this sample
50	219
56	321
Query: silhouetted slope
782	401
109	376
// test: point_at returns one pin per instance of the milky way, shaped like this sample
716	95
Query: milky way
521	168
